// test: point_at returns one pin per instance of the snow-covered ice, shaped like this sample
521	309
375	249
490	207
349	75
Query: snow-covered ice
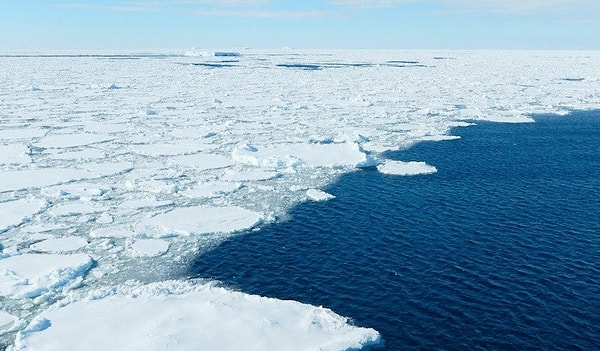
179	316
60	245
118	171
405	168
149	247
31	275
203	220
318	195
14	213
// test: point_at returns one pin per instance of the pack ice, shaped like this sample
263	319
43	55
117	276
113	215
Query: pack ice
116	173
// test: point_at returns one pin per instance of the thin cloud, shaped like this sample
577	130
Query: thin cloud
208	8
527	6
112	8
265	13
226	3
523	7
365	4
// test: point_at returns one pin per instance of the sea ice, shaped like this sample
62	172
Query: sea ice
211	189
59	245
318	195
14	154
258	136
42	177
405	168
202	161
7	322
203	220
59	141
14	213
31	275
312	155
248	175
149	247
177	315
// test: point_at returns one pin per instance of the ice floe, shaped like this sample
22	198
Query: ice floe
310	154
211	189
405	168
14	154
203	220
318	195
31	275
149	247
173	315
14	213
59	245
60	141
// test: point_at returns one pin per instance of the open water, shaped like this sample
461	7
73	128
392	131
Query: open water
498	250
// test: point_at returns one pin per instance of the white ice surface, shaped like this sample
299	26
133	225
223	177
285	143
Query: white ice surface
318	195
177	316
405	168
149	247
313	155
211	189
14	213
202	220
121	154
7	322
31	275
60	141
14	153
60	245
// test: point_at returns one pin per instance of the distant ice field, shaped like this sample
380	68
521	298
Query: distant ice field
117	169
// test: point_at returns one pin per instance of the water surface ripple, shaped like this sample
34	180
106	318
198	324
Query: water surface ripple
498	250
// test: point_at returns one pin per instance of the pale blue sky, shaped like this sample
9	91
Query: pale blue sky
385	24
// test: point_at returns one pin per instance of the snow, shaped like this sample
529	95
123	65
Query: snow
312	155
37	178
318	195
124	170
200	220
60	245
14	153
178	316
149	247
59	141
203	161
210	189
15	213
7	322
405	168
31	275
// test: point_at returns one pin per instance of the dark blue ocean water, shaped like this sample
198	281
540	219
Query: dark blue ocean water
498	250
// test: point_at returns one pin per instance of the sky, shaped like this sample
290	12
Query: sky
309	24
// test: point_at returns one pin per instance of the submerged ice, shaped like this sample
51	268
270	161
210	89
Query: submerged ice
114	173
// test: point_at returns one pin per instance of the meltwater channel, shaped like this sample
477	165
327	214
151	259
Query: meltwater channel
498	250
